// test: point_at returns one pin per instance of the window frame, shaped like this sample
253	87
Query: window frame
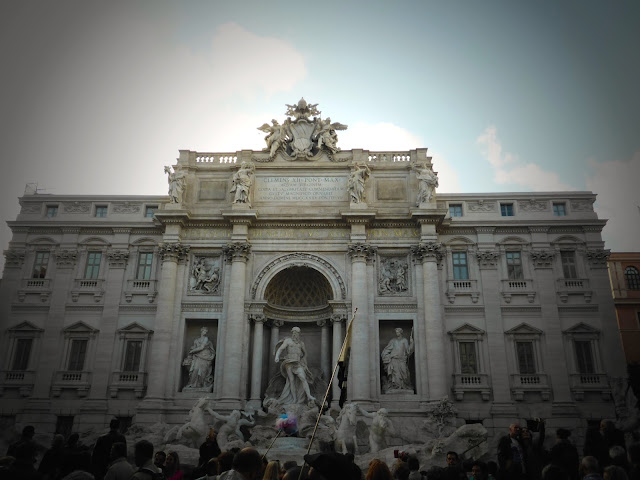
460	268
92	269
556	206
148	267
100	211
23	331
632	277
79	331
507	209
51	210
569	269
453	209
515	271
469	334
150	208
41	264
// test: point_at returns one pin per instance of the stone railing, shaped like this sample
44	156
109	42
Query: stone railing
589	382
518	287
471	382
141	287
73	380
462	287
36	283
23	380
532	382
136	381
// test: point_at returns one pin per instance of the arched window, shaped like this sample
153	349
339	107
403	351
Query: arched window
632	276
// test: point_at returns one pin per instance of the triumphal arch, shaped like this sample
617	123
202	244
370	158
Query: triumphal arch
239	286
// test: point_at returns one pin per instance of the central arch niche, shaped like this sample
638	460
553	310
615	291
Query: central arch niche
299	288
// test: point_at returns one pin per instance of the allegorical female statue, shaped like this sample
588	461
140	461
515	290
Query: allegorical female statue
200	363
242	182
395	357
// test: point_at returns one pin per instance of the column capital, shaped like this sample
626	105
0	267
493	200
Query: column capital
277	323
173	252
237	251
322	323
338	318
14	258
362	251
117	258
487	258
597	257
258	317
66	258
428	252
542	258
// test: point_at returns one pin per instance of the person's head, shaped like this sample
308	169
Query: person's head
588	465
618	455
225	462
332	466
289	464
248	462
58	441
515	430
118	449
114	424
401	472
399	332
452	458
554	472
142	452
72	441
28	432
479	470
378	470
615	472
413	463
172	462
634	453
204	331
159	458
606	426
272	472
294	474
211	436
563	433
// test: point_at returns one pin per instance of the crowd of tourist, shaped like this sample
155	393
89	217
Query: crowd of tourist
520	455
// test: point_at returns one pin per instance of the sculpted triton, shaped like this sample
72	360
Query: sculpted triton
294	369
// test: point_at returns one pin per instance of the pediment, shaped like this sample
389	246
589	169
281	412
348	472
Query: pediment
145	241
134	328
467	329
459	240
80	327
95	241
524	329
25	327
582	328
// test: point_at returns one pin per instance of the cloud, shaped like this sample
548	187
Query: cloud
509	169
387	137
616	184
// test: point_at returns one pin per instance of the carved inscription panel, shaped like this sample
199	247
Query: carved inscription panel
300	189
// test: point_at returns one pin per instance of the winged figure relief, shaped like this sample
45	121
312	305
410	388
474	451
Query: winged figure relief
277	135
325	134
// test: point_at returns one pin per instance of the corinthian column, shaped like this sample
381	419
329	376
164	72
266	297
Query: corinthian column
275	336
235	324
430	253
324	348
336	320
359	385
171	253
256	360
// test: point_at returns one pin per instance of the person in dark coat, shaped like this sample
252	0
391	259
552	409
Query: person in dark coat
512	454
51	462
102	450
564	454
598	442
24	451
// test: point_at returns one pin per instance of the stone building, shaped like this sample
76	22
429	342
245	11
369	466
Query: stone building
506	296
624	270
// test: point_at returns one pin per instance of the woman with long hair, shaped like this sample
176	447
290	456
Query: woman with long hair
172	467
378	470
272	472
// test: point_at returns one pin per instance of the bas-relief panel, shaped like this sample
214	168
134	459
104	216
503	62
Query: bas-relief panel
205	275
393	274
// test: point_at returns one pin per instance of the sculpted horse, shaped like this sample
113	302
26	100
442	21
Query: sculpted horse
346	440
194	432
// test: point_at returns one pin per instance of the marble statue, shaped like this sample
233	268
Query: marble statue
294	369
242	181
428	182
194	431
176	185
231	427
395	357
205	276
200	363
346	439
303	135
380	427
356	182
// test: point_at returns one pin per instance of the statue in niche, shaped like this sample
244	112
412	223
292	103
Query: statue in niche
428	182
205	276
395	358
294	369
200	363
380	427
231	427
242	181
177	182
393	276
356	182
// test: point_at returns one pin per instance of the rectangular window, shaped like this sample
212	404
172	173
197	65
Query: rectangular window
101	210
21	355
526	360
150	211
584	357
93	265
468	362
455	210
132	356
144	266
514	266
52	211
77	355
569	264
460	269
506	209
559	210
40	265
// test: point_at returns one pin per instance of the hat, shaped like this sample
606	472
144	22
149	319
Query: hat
334	466
28	430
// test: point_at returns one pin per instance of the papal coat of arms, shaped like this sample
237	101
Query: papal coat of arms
302	137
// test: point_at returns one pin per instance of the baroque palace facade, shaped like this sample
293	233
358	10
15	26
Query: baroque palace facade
505	295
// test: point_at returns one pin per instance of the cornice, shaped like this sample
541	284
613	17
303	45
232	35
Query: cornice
464	310
395	307
29	308
84	308
521	310
137	308
578	309
201	307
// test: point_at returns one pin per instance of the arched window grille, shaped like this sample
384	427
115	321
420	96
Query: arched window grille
632	276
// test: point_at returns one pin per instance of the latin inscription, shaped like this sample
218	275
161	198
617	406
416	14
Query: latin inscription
300	189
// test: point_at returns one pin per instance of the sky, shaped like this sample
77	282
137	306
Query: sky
97	97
